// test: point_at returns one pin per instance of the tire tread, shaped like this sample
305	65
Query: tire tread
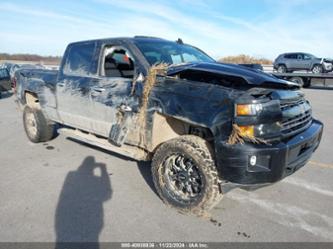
45	129
199	147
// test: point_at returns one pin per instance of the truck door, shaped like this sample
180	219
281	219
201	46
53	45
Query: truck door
111	96
73	85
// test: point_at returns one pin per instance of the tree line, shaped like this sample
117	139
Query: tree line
30	57
245	59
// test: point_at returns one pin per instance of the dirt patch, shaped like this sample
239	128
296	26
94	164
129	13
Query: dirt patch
244	234
215	222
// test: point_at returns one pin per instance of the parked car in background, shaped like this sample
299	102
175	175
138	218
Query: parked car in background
4	80
289	62
12	69
6	65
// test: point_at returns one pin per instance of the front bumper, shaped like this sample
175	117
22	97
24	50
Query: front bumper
328	66
273	162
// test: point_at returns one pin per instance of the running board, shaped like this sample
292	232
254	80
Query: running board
88	138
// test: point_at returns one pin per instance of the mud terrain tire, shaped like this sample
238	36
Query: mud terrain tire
198	153
36	126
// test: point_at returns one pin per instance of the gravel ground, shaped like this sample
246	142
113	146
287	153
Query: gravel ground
66	191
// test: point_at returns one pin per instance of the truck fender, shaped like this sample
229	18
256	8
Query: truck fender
166	127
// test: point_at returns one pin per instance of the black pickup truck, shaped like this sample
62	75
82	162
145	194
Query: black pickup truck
205	125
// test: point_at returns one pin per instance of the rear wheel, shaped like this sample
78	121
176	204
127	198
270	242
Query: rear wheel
317	69
37	127
282	69
185	175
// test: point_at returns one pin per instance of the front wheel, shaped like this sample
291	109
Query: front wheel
317	69
36	126
185	175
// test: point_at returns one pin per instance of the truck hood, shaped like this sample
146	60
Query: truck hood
250	76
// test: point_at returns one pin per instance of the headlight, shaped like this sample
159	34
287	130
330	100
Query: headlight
249	109
327	65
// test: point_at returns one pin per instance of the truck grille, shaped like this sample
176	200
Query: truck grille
297	116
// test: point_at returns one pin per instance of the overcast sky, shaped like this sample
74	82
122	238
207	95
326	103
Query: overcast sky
223	27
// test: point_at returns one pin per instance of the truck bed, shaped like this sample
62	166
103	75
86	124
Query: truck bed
45	75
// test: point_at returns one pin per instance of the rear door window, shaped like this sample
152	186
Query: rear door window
79	59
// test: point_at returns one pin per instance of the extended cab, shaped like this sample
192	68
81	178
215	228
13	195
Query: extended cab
205	125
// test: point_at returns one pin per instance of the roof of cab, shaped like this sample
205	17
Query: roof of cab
146	38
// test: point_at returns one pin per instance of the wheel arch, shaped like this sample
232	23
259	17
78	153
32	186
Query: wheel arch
165	128
319	65
31	99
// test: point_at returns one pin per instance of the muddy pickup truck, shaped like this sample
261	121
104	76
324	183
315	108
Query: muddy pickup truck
206	126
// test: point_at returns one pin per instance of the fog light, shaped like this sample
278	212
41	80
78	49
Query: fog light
253	160
247	131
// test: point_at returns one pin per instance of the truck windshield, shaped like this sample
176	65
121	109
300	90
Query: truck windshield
170	52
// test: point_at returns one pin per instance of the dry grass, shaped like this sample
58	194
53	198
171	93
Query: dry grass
158	69
237	137
245	59
30	57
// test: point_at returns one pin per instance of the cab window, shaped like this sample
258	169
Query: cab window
117	62
79	59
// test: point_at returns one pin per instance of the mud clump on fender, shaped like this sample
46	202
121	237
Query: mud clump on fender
157	69
237	137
